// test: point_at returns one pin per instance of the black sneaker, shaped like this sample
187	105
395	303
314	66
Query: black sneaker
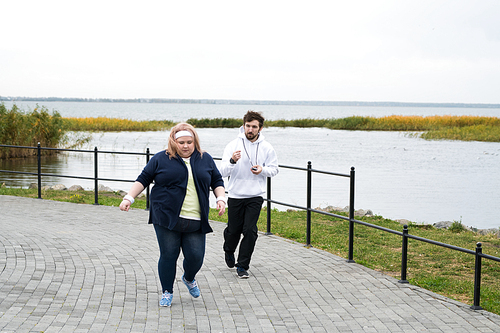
242	273
230	260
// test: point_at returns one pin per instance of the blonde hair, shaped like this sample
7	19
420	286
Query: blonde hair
172	149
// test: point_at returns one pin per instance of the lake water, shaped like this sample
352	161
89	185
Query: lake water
182	112
397	176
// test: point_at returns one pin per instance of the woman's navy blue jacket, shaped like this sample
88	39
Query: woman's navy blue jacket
170	177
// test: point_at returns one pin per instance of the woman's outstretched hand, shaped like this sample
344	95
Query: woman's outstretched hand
125	205
221	206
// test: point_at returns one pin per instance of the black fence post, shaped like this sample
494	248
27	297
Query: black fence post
309	191
268	232
477	278
351	218
404	255
96	176
39	161
147	188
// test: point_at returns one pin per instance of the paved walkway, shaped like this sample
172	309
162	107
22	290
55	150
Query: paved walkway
82	268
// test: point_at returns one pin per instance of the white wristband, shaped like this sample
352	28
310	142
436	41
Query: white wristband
129	198
221	199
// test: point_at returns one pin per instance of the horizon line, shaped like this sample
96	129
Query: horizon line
244	101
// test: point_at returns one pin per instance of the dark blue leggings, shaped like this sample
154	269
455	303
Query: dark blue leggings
170	243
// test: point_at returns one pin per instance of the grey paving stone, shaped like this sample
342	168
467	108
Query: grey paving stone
84	268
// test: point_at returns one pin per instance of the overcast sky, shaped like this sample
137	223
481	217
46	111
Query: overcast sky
401	51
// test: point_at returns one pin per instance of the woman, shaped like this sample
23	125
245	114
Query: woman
183	175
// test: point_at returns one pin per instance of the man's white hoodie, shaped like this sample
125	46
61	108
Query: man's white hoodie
242	182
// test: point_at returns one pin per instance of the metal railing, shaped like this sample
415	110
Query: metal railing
309	170
96	177
405	235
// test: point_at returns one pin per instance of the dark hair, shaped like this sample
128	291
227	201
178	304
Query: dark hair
251	116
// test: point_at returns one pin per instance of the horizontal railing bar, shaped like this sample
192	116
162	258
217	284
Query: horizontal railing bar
89	178
49	148
295	168
66	176
330	214
116	180
20	172
76	150
305	208
357	221
331	173
430	241
11	146
487	256
95	151
291	167
121	152
378	227
285	204
47	174
68	149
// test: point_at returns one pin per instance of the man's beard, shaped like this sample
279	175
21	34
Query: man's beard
251	136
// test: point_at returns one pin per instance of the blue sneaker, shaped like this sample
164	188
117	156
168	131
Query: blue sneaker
166	299
193	287
242	273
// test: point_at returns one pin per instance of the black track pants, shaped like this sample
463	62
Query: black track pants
243	215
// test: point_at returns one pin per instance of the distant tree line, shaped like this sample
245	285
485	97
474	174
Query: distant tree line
245	102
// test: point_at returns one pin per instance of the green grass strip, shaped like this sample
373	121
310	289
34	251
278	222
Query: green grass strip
466	128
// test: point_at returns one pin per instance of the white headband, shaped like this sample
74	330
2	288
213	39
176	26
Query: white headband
182	133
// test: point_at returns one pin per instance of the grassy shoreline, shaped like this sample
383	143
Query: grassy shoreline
21	128
446	272
466	128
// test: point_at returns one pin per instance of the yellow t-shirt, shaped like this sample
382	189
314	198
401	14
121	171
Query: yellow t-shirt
191	206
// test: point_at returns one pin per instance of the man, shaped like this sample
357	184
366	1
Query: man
247	161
